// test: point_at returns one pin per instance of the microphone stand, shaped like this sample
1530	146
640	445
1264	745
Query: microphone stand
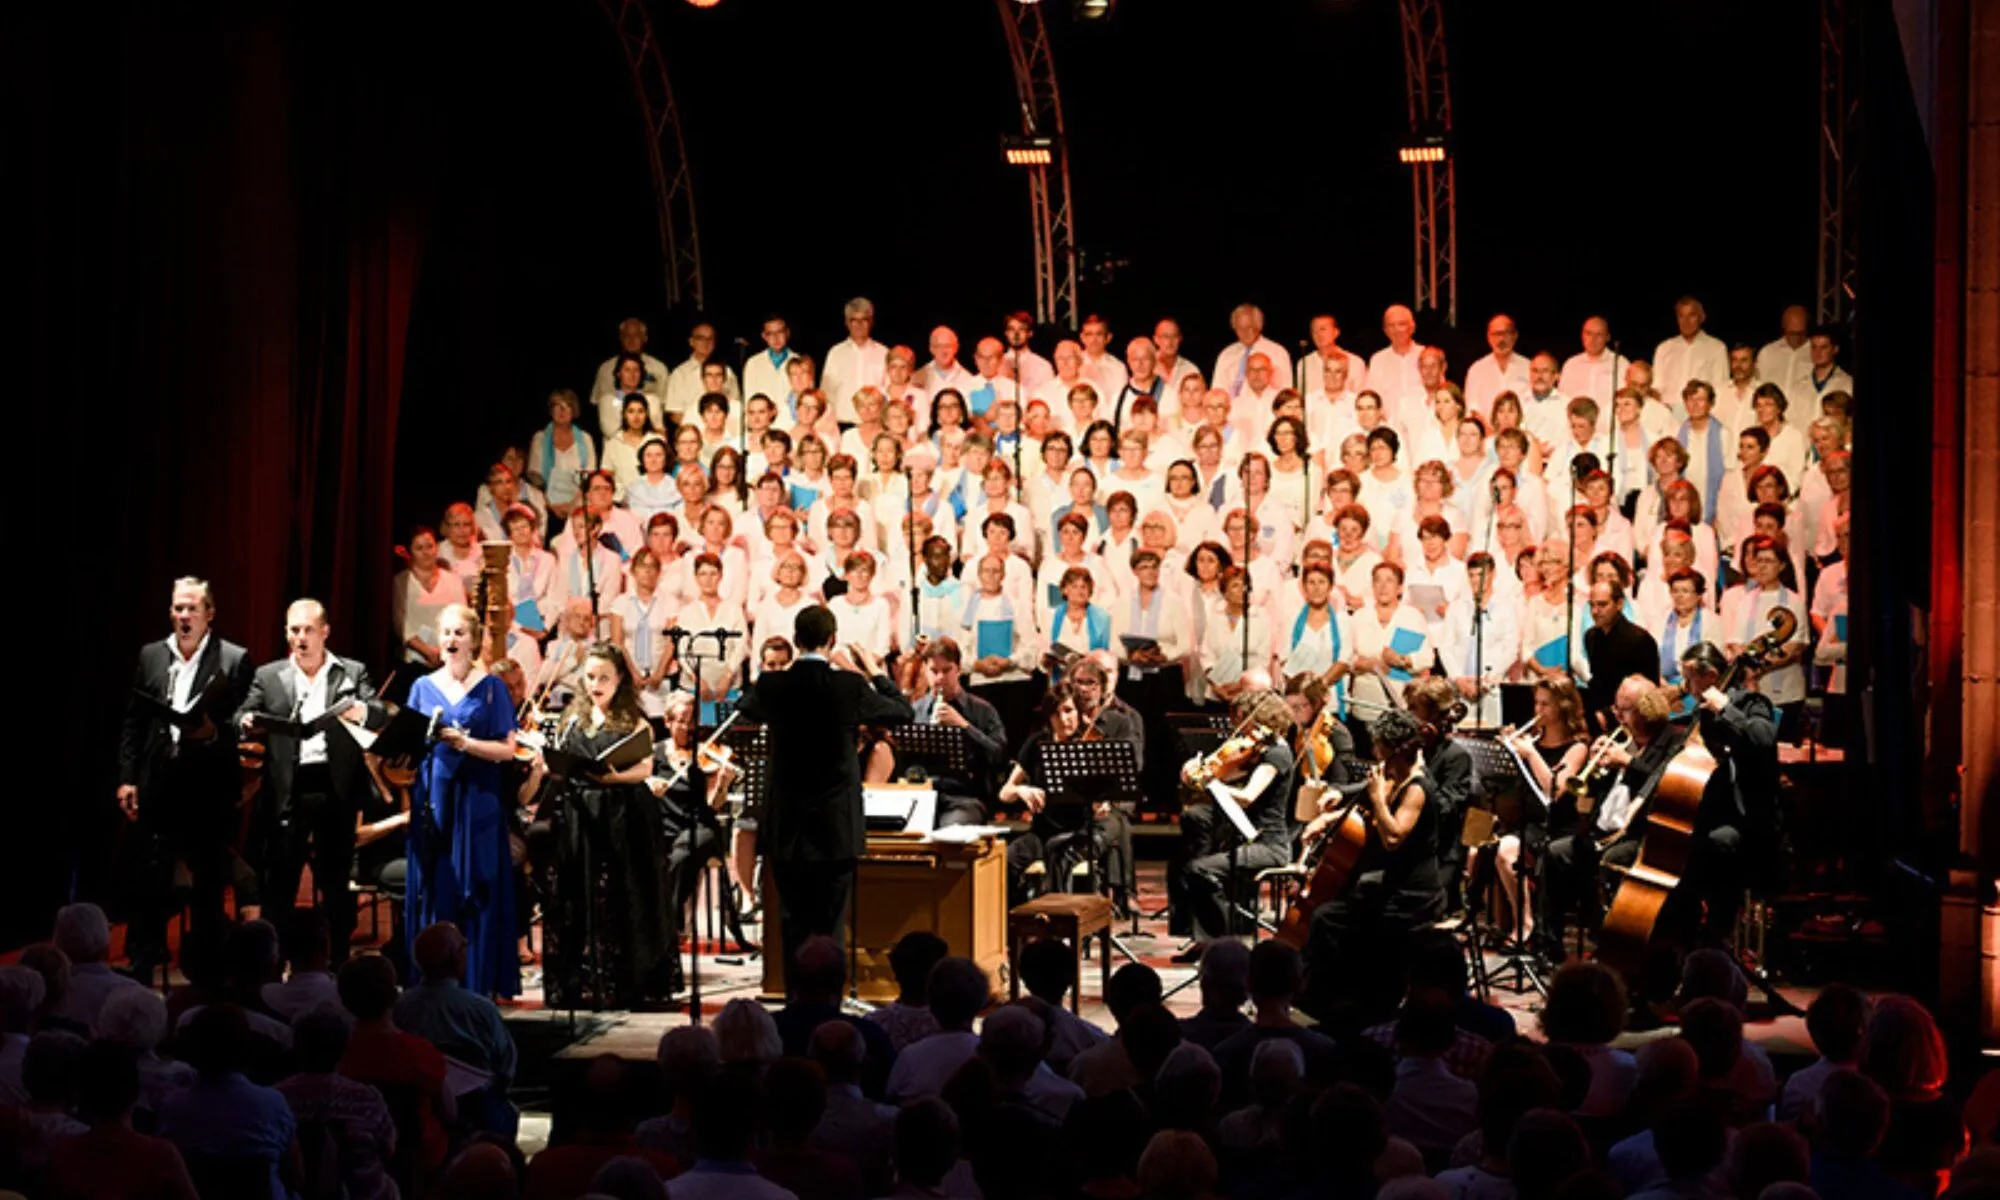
1020	432
743	400
910	540
1479	620
1569	586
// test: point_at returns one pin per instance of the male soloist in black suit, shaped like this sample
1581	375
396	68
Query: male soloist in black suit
813	829
314	787
180	786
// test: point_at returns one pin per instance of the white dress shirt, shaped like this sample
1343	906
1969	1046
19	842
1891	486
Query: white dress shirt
765	376
1312	370
1486	652
1232	365
1393	376
1790	367
848	368
1830	604
1107	371
1598	378
684	390
1487	378
309	692
1680	359
654	384
933	378
1372	636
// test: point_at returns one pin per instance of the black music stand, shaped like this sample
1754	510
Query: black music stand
941	750
1496	775
1084	774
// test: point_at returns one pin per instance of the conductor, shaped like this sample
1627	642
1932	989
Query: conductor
813	826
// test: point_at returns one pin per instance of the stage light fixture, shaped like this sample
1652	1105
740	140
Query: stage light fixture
1094	10
1428	146
1025	151
704	3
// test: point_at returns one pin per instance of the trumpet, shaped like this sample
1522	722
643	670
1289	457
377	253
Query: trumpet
1579	783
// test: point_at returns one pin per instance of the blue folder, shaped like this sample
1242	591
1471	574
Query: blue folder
1554	653
996	639
1840	627
528	615
1405	642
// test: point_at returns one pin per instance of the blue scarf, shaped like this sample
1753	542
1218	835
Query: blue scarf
586	456
1218	491
1333	633
1712	487
936	591
1670	663
1096	625
778	357
1146	618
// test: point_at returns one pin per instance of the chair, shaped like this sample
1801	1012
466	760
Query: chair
1284	885
322	1146
1071	917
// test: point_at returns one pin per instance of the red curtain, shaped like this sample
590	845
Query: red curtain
228	213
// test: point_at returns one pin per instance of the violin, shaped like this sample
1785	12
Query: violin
1232	757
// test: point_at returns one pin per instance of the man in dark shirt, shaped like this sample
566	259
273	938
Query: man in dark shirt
1616	648
818	975
961	801
1736	828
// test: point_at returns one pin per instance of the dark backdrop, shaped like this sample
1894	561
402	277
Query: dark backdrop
299	274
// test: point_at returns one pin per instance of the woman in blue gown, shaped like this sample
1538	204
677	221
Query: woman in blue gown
460	869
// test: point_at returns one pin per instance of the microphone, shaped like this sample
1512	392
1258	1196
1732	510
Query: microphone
1494	488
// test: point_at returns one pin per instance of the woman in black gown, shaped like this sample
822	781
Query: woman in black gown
609	942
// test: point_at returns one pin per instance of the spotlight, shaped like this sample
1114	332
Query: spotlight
1094	10
704	3
1426	146
1025	151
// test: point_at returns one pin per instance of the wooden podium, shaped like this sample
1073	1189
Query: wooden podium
957	890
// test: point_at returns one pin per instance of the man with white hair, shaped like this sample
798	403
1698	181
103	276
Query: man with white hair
136	1018
1232	366
21	994
1689	354
1392	370
1501	371
632	340
1167	357
1143	379
1325	333
856	363
944	370
83	933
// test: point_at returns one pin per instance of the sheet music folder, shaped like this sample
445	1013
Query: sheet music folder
268	723
634	748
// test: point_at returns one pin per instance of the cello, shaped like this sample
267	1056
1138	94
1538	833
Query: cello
1625	942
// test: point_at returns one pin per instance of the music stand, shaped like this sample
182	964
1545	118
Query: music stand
1498	774
1083	774
940	749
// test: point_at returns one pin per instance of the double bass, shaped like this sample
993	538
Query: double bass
1329	863
1625	942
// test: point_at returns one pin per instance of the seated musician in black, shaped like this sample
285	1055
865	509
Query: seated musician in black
1621	787
689	792
950	703
1736	828
1261	789
1435	704
1398	883
1108	718
1054	827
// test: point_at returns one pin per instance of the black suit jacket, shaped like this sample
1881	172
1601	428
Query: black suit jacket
813	810
271	692
145	743
1623	649
1744	740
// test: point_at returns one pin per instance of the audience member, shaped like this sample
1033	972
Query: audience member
818	976
1690	1135
1430	1107
464	1026
689	1057
1177	1165
852	1124
309	949
1276	975
1836	1020
747	1036
1586	1009
1107	1066
353	1112
136	1018
726	1126
109	1160
1516	1080
794	1103
1669	1071
482	1171
628	1177
1546	1152
957	990
600	1131
1712	973
1277	1074
397	1063
908	1018
52	965
1187	1090
1849	1121
21	994
927	1151
222	1120
1048	970
1764	1154
1225	988
1013	1042
48	1075
84	936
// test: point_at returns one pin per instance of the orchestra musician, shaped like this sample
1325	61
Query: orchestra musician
1737	823
1259	784
1056	831
1106	717
181	786
1399	881
1553	749
691	788
1609	831
315	786
1435	704
949	702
